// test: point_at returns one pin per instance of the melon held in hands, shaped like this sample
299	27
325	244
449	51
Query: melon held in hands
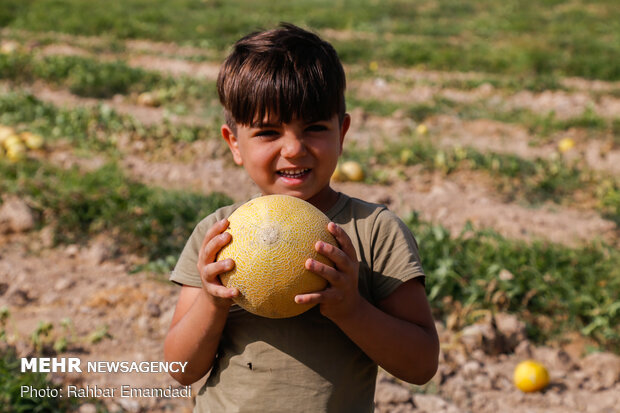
272	237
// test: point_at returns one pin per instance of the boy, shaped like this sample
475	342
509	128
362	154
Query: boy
283	95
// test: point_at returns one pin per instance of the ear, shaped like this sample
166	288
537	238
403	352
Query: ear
233	143
346	123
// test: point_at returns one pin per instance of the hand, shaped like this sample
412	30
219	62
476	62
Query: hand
215	239
341	297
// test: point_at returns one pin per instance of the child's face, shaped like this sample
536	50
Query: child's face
296	158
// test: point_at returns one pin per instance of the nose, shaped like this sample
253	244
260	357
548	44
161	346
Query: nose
293	146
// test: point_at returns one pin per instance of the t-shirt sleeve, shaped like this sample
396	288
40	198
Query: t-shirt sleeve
395	254
185	271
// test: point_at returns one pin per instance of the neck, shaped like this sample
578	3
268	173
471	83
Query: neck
325	199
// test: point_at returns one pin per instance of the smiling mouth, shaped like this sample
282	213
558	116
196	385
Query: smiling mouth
293	173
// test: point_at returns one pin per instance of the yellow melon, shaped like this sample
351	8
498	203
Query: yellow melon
32	140
5	132
352	171
530	376
337	175
272	237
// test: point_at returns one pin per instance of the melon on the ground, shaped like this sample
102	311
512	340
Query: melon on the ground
272	237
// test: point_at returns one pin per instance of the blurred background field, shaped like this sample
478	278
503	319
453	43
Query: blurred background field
492	128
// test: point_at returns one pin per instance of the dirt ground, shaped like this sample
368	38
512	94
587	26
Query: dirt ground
93	287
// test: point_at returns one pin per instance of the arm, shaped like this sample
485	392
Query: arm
399	334
200	314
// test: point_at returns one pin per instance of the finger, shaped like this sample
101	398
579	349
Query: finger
215	229
343	240
215	245
221	291
327	295
212	282
333	276
312	298
340	259
211	271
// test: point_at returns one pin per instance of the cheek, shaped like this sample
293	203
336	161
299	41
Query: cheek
326	146
260	159
332	151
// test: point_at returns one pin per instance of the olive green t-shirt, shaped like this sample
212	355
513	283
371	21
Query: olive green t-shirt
304	363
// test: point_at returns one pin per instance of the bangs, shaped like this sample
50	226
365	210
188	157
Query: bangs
292	81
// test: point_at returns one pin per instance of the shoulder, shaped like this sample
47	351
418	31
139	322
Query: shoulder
355	209
217	215
372	227
224	212
185	271
368	216
386	247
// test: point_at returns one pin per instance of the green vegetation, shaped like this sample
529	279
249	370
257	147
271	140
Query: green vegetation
554	288
510	45
97	128
84	127
150	221
100	128
471	81
84	77
11	381
92	78
541	126
529	181
12	400
576	288
519	38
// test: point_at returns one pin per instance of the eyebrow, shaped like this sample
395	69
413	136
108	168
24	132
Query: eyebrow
265	125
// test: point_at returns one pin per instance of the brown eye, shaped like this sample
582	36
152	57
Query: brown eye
266	133
316	128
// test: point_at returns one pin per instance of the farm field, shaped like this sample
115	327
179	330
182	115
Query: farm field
492	128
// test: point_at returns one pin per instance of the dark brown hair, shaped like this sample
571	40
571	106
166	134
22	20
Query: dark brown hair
284	73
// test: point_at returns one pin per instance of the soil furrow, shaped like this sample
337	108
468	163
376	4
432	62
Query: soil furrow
368	130
589	94
92	287
563	104
451	201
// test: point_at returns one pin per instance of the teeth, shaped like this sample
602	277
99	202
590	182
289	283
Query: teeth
293	172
